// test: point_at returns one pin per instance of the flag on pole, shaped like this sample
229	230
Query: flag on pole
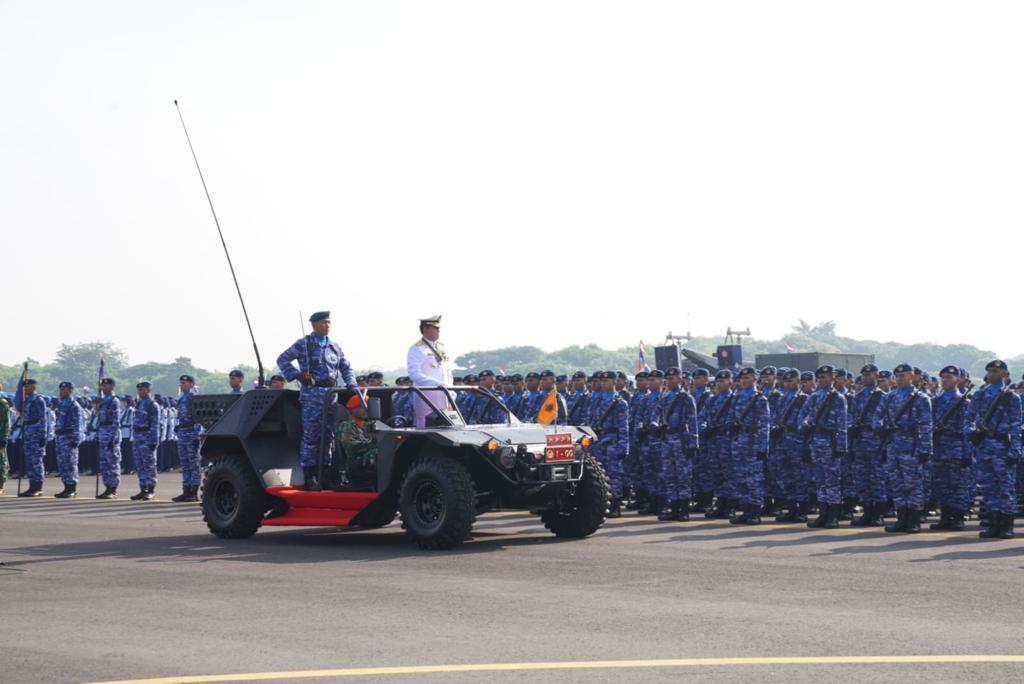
549	411
501	370
789	348
19	394
641	362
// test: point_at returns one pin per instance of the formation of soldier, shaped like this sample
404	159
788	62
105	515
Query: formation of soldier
790	444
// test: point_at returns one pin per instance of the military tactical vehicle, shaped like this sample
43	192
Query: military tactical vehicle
437	478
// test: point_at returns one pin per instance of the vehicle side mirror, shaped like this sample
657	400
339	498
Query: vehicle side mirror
373	408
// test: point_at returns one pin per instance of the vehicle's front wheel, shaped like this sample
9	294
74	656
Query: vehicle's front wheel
581	513
233	500
437	502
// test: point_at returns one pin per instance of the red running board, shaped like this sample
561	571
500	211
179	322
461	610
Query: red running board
319	509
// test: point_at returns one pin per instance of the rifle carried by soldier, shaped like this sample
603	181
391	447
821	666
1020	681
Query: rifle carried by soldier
740	426
984	430
891	423
778	432
808	429
862	422
716	427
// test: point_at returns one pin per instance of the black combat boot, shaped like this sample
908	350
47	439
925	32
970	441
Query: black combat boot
913	521
901	521
108	493
665	513
714	509
148	493
956	520
771	507
35	488
70	491
800	511
872	516
1006	529
143	490
311	483
739	516
846	508
823	516
682	510
193	494
188	494
944	521
752	515
995	521
615	507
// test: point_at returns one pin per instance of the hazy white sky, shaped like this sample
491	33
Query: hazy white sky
541	173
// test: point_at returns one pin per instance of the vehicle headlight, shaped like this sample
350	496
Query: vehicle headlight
507	458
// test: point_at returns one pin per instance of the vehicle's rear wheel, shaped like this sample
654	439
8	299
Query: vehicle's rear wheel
437	502
581	513
233	500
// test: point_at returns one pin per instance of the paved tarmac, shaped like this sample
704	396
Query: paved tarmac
99	591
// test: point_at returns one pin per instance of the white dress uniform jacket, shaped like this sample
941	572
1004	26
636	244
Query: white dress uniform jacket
429	366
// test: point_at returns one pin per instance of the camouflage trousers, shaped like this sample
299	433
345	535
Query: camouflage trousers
826	471
870	473
188	456
67	458
720	464
35	451
145	462
110	458
792	472
907	484
613	461
312	402
651	452
997	475
676	471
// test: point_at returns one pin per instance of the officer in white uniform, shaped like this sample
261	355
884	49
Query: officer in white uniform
429	366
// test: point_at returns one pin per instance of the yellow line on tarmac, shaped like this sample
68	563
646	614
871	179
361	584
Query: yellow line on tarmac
579	665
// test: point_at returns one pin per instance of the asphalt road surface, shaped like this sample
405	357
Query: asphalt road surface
100	591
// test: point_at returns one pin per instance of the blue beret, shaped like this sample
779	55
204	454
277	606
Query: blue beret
66	385
822	370
747	371
884	374
319	316
236	374
145	383
562	378
842	373
547	374
996	364
186	378
377	375
656	374
642	374
532	375
579	374
903	368
277	377
619	375
869	368
701	373
724	374
918	371
952	370
807	375
107	381
769	370
672	372
791	374
483	374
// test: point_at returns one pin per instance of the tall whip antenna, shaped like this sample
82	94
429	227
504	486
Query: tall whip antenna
259	363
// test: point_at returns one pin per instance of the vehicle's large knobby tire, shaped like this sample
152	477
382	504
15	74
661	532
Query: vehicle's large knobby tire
586	509
437	502
233	500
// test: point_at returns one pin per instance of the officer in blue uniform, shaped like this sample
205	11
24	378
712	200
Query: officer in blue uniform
109	438
703	482
823	426
236	379
634	463
867	456
33	434
187	432
69	435
320	362
718	419
992	424
610	420
903	422
651	443
768	384
787	450
749	429
146	431
578	399
953	455
680	440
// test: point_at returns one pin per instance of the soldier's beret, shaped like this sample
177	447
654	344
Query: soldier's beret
561	378
518	377
472	377
486	374
685	375
903	368
724	374
547	374
145	383
952	370
579	374
599	375
360	378
66	385
824	370
963	372
532	375
791	374
884	374
107	381
276	377
918	371
642	374
456	379
375	375
869	368
236	374
656	374
747	371
319	316
807	375
932	378
769	370
996	365
186	378
842	373
619	375
672	372
701	373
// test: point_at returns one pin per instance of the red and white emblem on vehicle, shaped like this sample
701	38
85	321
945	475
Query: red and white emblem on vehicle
558	447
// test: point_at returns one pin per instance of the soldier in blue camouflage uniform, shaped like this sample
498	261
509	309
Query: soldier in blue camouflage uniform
320	361
749	429
578	399
634	464
651	443
464	399
993	425
952	453
767	382
903	422
718	418
482	409
867	456
187	432
610	420
680	439
69	435
109	438
787	450
703	482
146	431
33	434
236	379
848	479
823	424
